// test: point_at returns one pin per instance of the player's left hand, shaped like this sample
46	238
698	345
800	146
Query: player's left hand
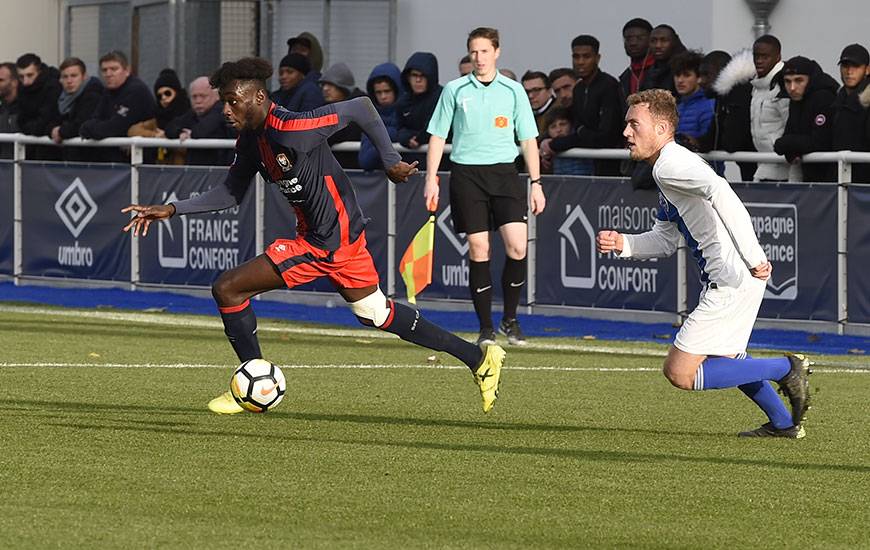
537	200
762	271
401	171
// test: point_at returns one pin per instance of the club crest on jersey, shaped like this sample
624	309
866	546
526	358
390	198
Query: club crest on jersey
501	122
283	162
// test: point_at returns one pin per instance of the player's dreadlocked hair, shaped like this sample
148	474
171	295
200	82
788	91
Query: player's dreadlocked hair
661	104
255	69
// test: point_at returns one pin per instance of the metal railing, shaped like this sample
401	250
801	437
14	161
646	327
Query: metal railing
136	145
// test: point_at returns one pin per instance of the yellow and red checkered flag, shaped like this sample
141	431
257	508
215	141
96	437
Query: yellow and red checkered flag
416	263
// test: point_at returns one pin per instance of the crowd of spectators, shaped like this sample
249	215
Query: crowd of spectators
753	100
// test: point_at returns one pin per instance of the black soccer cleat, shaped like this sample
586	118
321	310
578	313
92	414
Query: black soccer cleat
486	337
795	386
511	329
767	430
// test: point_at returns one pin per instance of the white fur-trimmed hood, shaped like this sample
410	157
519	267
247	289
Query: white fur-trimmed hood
739	70
864	98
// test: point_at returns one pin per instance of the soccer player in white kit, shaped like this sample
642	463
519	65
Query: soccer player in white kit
694	202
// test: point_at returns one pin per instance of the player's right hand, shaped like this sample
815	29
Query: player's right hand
609	241
401	171
762	271
145	215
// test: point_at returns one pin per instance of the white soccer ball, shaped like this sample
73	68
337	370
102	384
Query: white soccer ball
258	385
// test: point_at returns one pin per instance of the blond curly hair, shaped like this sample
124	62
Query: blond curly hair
661	104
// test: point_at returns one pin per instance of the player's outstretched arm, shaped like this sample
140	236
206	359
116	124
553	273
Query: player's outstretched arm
609	241
401	171
145	215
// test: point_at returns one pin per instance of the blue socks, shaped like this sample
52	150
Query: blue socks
725	372
752	377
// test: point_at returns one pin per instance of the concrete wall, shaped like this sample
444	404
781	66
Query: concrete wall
31	26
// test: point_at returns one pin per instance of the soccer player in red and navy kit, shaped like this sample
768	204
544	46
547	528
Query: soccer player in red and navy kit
289	150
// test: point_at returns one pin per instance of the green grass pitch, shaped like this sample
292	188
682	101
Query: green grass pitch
375	446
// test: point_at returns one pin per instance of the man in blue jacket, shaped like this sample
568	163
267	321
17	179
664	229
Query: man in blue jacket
415	108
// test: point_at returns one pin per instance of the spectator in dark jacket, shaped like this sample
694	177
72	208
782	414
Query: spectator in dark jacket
635	40
37	95
596	108
8	104
420	79
733	93
76	104
562	82
383	87
307	44
296	92
38	91
808	129
172	102
851	129
664	43
205	120
126	100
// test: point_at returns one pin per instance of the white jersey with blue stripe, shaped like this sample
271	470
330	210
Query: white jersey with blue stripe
700	205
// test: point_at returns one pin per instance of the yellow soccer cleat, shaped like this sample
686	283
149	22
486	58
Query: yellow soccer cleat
224	404
488	374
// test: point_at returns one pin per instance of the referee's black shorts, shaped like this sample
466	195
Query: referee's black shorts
484	197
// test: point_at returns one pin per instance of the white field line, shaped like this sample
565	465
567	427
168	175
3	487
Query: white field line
192	322
363	366
163	319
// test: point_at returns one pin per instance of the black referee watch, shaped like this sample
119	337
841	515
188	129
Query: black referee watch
534	181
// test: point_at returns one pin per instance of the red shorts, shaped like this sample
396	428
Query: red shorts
298	263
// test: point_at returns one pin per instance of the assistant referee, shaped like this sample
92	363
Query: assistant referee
488	112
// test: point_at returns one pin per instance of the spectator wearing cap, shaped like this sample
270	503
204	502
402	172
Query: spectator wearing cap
205	120
664	43
768	109
420	78
384	89
172	102
296	93
307	44
851	129
635	40
812	93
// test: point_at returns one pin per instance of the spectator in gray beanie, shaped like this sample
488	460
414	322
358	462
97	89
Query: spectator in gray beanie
338	84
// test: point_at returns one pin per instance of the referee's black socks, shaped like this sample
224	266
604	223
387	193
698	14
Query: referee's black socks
480	281
513	279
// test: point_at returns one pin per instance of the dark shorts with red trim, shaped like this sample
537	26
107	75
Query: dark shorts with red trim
298	262
485	197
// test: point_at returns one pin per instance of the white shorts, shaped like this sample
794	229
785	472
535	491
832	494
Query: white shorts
723	320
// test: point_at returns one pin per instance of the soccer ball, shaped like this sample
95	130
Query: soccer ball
258	385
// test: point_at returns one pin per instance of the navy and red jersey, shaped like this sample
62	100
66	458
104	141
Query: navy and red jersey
291	152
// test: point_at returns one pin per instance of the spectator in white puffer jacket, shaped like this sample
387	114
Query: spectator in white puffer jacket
768	112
